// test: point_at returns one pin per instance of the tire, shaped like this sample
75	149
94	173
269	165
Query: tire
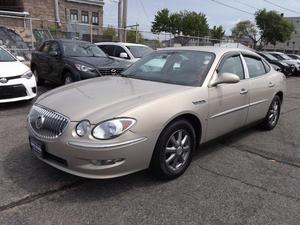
39	80
271	120
170	159
68	78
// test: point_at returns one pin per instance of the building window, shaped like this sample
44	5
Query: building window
95	19
84	17
73	15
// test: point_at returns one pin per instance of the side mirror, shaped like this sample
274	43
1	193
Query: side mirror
225	78
54	53
20	58
124	55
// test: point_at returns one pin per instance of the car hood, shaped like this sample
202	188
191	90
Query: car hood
101	62
11	69
105	97
291	61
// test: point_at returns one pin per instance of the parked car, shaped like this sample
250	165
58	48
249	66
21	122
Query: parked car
156	114
294	56
126	51
287	69
285	58
17	82
66	61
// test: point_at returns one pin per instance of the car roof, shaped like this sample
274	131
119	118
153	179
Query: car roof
213	49
120	43
279	53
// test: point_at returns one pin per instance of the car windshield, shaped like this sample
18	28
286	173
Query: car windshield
139	51
286	57
79	49
269	56
175	67
5	56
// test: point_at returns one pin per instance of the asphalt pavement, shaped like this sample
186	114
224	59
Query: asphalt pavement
249	177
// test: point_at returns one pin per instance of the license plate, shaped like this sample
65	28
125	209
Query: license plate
37	147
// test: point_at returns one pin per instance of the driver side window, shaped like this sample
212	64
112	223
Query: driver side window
233	65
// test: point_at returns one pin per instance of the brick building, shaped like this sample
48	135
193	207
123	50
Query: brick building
63	18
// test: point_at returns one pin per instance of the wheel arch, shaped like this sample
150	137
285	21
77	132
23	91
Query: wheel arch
280	95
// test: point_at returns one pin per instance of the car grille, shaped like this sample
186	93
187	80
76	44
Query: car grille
110	71
12	91
46	123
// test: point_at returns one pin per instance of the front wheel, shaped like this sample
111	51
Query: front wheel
68	78
273	114
173	151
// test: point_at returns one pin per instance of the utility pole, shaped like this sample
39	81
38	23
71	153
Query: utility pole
124	19
120	19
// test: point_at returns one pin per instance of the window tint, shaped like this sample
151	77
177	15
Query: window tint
118	51
255	66
267	67
45	47
233	65
54	47
108	49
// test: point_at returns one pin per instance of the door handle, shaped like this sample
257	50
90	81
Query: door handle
244	91
271	85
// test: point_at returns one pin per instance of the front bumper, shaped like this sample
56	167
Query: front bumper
83	158
29	86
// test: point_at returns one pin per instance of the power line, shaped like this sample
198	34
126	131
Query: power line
144	9
281	7
245	4
232	7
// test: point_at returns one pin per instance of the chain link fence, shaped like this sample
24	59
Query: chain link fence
21	35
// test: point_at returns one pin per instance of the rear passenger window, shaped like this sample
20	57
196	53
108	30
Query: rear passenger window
255	66
233	65
267	67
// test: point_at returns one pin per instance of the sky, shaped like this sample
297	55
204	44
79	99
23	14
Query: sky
143	11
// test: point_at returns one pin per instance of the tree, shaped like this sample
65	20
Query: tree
134	36
246	29
188	23
217	33
273	27
110	31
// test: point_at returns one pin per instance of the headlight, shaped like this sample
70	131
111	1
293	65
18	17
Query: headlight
27	75
83	68
112	128
83	128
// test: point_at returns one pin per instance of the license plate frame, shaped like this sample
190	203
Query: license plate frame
37	147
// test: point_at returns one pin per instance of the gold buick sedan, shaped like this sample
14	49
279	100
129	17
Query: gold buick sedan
156	113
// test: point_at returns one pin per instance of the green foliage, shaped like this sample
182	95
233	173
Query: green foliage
110	31
134	37
246	29
185	22
217	33
273	27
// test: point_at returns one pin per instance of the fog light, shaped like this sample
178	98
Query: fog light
34	90
106	162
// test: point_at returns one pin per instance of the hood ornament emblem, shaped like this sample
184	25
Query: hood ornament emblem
40	120
113	72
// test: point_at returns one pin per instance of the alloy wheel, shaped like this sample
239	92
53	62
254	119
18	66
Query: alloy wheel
177	150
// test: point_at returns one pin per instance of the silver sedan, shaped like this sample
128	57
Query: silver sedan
156	114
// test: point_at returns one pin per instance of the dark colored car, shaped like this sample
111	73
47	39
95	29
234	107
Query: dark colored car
285	68
66	61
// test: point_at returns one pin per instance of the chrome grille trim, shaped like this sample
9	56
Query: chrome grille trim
53	125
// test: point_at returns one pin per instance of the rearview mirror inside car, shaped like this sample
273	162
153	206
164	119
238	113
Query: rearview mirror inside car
225	78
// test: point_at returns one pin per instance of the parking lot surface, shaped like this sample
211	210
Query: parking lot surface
249	177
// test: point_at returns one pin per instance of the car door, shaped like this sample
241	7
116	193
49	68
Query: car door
261	89
228	103
42	56
55	63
